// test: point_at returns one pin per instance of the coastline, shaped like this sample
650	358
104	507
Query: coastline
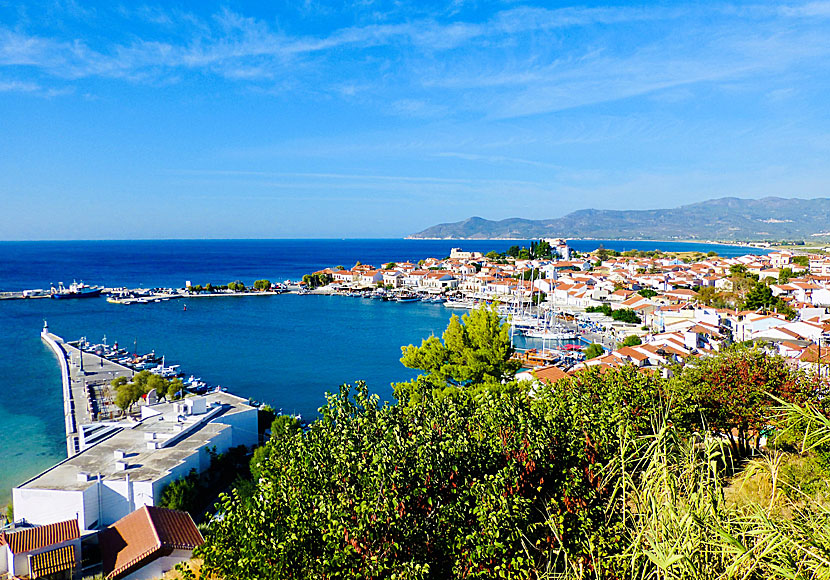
734	243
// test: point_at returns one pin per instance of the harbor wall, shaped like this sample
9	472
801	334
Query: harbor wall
56	344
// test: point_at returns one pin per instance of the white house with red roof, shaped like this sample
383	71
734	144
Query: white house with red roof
51	551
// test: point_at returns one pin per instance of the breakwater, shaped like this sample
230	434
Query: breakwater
84	382
70	422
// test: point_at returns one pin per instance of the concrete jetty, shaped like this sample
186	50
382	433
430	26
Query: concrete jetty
84	380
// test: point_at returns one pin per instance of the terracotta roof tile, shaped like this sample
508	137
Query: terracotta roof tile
549	374
41	536
137	537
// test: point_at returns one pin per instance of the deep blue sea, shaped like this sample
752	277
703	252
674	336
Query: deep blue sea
286	350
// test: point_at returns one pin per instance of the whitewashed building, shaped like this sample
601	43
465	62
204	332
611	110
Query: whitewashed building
131	467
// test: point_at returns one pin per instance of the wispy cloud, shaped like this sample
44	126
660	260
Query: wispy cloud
513	63
497	159
418	179
19	87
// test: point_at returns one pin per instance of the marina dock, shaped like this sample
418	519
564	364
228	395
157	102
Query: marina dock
85	379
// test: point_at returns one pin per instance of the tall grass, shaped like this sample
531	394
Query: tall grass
678	524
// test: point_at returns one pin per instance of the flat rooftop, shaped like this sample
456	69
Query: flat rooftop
143	464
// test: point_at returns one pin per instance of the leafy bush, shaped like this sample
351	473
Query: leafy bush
594	350
485	486
621	314
614	474
194	492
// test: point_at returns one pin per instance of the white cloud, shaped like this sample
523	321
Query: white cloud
513	64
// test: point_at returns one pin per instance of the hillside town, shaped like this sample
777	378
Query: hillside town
684	306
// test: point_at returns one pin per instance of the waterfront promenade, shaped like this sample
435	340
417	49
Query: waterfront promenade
85	379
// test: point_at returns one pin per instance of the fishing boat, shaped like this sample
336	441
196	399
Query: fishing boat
75	290
405	298
166	372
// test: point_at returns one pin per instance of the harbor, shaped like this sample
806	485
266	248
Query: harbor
87	373
241	342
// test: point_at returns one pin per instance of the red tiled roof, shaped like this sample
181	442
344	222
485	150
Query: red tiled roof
144	534
35	538
549	374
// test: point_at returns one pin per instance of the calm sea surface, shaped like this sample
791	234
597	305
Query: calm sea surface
286	350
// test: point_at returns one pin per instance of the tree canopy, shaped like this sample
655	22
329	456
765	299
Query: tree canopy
604	474
594	350
129	392
474	350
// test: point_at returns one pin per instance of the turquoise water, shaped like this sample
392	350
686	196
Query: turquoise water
286	350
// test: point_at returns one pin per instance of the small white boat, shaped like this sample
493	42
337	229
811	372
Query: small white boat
466	304
166	372
555	333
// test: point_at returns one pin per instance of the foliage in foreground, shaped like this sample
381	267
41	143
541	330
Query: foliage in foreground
481	487
402	496
618	474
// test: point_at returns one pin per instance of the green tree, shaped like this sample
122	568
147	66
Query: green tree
594	350
784	275
474	350
542	250
513	251
759	296
284	425
118	381
390	266
625	315
181	494
732	394
632	340
801	260
127	395
262	285
647	293
209	288
601	253
492	255
157	383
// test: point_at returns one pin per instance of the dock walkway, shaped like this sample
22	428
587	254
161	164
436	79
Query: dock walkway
85	391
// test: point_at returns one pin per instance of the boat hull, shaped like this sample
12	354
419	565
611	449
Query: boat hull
70	295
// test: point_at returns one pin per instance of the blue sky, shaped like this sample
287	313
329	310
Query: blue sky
372	119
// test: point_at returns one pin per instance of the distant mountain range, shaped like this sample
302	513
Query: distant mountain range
725	219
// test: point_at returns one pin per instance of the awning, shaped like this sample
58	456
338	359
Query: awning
52	561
